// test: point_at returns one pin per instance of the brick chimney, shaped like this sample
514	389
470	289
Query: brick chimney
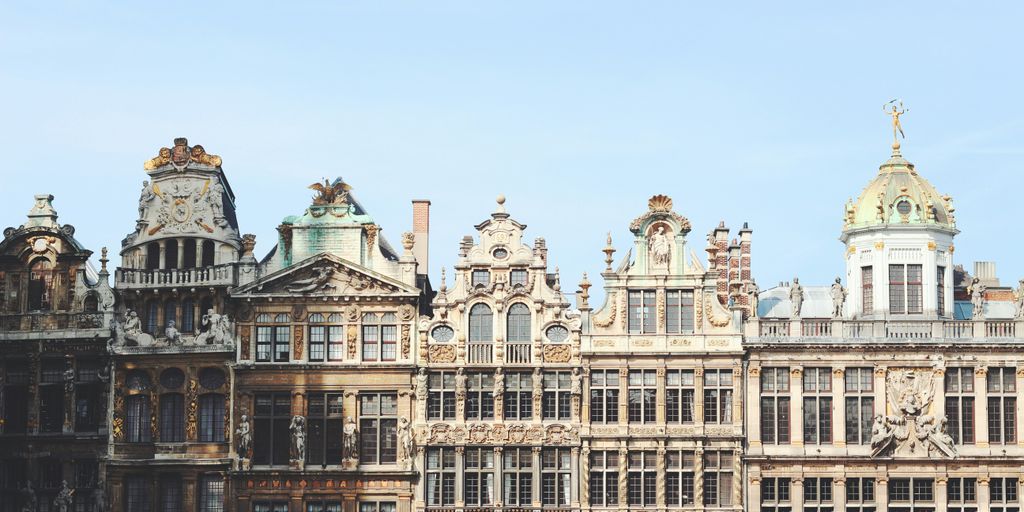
421	233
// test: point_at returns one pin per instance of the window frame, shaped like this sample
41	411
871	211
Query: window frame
604	397
775	397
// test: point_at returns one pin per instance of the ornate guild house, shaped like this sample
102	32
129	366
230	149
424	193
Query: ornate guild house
329	375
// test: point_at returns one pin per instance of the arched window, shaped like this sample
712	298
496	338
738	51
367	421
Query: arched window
481	323
152	310
188	316
519	322
208	255
171	313
171	258
90	304
172	418
137	419
40	285
211	418
152	256
189	259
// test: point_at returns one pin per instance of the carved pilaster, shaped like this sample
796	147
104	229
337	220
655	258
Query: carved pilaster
660	463
117	415
192	407
245	337
406	341
297	344
623	475
585	476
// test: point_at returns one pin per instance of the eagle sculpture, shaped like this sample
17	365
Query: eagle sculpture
326	193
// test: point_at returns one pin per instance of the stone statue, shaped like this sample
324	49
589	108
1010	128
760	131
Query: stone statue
214	197
977	292
145	197
499	382
911	431
405	442
838	294
218	329
351	441
133	331
460	384
244	438
881	435
319	282
538	383
29	503
69	380
755	293
1018	300
298	431
173	336
576	386
421	384
660	247
132	326
796	297
64	499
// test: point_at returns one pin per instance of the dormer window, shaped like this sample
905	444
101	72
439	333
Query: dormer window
905	289
642	319
481	278
517	277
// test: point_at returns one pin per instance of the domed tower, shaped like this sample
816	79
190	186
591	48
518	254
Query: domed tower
899	246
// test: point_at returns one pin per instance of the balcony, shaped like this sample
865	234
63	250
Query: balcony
518	353
481	353
218	275
910	330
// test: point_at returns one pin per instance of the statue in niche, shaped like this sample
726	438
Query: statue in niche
499	382
244	433
319	282
576	387
460	384
838	294
298	431
977	292
1018	300
660	246
215	198
754	293
405	442
796	297
145	197
421	384
350	441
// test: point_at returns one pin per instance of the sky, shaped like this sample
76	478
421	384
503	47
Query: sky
577	112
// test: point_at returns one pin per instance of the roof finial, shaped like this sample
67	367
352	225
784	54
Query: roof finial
608	250
103	259
897	128
501	203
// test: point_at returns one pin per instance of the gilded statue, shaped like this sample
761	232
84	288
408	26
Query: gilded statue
161	159
896	113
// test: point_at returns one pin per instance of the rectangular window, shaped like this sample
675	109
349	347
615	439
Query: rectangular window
905	289
440	488
860	494
211	494
137	426
912	494
89	405
270	506
860	404
518	404
718	396
170	494
555	477
282	344
642	481
324	426
480	396
380	337
273	341
136	494
271	437
959	387
604	478
317	342
481	278
211	418
517	477
604	396
817	384
962	495
1001	388
940	290
643	393
15	397
378	428
441	396
718	466
679	389
172	418
264	338
679	311
817	494
51	396
325	506
478	477
642	315
775	412
375	506
517	278
867	289
775	495
1004	492
679	478
556	396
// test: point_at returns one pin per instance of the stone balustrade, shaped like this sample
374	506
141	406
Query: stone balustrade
217	275
911	330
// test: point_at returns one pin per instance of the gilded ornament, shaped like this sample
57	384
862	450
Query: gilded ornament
327	194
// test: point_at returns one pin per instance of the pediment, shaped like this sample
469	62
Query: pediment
325	275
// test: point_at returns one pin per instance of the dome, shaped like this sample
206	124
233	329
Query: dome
899	195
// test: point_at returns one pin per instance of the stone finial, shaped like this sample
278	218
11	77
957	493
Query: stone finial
558	280
42	213
103	260
584	292
444	285
608	251
248	244
408	241
501	203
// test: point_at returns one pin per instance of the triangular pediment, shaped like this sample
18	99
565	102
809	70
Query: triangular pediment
325	275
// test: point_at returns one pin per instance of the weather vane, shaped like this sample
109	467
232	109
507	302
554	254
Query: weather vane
895	112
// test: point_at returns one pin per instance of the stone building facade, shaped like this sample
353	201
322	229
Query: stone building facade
498	392
900	391
663	426
173	346
323	390
55	316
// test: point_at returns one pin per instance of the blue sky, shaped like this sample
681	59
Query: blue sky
577	111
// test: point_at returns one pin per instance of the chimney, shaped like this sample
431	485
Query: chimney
986	272
421	234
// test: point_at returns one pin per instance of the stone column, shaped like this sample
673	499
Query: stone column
536	479
584	477
754	496
984	492
574	477
882	493
878	384
838	409
199	253
698	397
659	495
796	391
623	397
499	491
980	412
796	494
698	476
181	253
839	493
460	472
1020	400
939	386
940	492
753	405
623	477
660	397
163	254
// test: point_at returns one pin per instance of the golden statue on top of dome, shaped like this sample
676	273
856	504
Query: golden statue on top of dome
896	126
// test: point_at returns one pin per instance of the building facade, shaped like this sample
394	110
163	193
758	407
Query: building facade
498	392
323	379
330	377
55	317
663	426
